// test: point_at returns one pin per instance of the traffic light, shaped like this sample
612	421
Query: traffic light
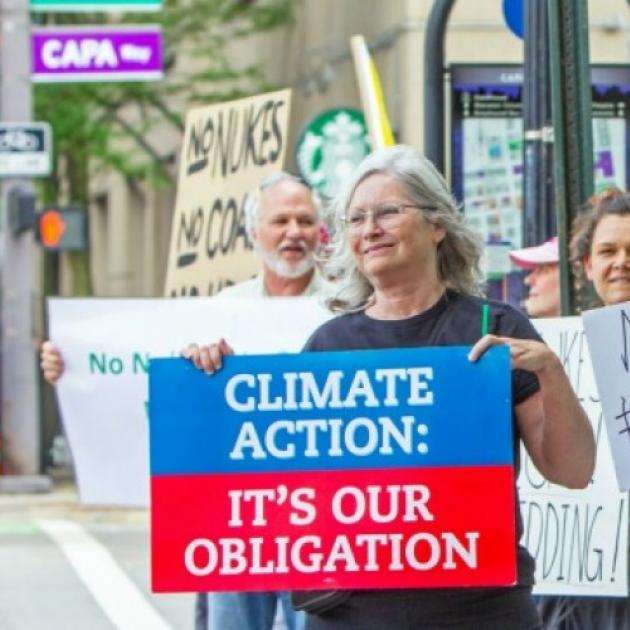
62	229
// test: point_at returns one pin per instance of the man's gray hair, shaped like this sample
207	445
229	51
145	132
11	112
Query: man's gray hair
458	254
252	204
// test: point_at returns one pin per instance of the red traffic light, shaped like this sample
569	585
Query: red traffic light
62	229
51	228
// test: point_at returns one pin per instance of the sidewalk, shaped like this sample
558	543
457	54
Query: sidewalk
63	502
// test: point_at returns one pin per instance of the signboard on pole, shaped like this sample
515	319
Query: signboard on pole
25	149
95	5
333	470
96	53
227	150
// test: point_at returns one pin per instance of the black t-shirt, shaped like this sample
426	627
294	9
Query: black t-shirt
455	320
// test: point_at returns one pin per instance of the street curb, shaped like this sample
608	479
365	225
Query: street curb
25	484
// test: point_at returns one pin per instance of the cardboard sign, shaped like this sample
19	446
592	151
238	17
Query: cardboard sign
333	470
227	150
579	538
64	54
608	334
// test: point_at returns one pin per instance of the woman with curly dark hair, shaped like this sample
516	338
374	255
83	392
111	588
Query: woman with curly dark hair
600	253
600	245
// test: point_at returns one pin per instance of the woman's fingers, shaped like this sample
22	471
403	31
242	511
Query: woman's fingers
188	350
207	358
225	347
525	354
51	363
483	344
191	351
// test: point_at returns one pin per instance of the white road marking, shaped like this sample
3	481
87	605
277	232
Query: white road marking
116	594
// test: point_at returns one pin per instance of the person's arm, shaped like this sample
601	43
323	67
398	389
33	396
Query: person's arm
208	358
553	426
51	362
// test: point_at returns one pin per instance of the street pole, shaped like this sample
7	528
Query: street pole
435	34
573	133
539	220
19	414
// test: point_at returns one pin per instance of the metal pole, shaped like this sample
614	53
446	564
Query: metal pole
434	82
19	412
538	210
532	127
573	133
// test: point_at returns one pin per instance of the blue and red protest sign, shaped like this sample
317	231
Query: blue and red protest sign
369	469
96	53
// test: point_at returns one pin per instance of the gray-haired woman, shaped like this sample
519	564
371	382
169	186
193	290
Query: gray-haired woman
411	279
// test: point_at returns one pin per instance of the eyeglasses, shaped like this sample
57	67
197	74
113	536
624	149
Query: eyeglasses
389	215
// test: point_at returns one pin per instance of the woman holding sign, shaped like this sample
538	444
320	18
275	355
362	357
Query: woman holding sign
411	278
600	252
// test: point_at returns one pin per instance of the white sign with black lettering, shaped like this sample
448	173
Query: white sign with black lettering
25	149
608	333
579	538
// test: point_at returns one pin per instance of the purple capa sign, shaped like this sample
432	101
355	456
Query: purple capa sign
89	53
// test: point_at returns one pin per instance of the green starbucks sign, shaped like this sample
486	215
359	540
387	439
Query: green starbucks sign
330	147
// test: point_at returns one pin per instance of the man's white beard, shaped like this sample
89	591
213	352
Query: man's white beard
283	268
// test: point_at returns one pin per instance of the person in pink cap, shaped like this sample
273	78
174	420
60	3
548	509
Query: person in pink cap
543	278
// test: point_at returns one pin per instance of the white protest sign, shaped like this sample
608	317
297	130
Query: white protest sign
227	149
106	346
579	538
608	333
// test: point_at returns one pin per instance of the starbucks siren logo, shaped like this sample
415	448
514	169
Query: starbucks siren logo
330	147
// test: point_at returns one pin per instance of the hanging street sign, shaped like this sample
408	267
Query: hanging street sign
330	146
96	53
25	149
95	5
514	14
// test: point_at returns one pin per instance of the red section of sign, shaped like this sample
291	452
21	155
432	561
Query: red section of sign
400	528
51	228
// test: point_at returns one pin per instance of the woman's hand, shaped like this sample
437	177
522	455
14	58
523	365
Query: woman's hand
51	362
552	424
525	354
208	358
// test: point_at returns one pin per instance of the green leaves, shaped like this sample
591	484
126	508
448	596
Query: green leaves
112	123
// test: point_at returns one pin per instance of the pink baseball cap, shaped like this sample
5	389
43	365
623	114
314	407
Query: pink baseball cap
531	257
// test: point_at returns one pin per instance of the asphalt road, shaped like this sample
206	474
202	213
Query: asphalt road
67	567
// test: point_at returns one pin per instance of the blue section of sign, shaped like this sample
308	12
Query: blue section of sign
513	14
331	410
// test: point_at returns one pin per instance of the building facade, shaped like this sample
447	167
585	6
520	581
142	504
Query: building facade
130	221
